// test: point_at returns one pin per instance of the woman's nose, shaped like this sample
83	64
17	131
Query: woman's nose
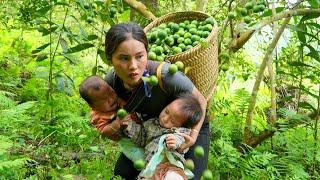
133	64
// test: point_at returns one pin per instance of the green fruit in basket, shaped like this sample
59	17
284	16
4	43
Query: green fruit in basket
180	65
176	50
187	41
160	58
209	20
182	46
189	47
195	38
182	25
186	22
169	41
158	50
262	7
152	55
195	22
173	68
208	27
175	37
175	27
162	26
195	43
180	40
181	33
162	34
193	31
187	35
190	26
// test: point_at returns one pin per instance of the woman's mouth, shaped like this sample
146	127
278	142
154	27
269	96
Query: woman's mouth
134	75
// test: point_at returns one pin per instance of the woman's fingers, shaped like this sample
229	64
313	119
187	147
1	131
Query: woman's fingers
189	141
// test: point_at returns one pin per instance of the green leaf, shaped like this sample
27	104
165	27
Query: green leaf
103	56
69	58
43	11
298	63
313	52
39	49
41	57
92	37
63	44
269	11
316	25
79	47
310	16
307	105
301	34
46	31
314	4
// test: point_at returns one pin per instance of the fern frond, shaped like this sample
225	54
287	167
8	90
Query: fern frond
5	101
241	100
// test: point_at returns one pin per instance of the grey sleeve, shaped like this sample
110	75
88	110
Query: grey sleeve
176	83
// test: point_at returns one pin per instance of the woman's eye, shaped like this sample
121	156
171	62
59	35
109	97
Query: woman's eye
139	57
124	58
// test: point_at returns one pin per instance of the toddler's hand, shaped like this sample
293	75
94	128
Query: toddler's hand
171	141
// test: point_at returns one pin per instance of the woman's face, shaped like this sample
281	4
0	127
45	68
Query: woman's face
129	61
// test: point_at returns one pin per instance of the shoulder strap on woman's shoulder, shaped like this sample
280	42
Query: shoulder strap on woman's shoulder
159	77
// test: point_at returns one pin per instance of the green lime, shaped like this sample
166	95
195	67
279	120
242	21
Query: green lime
162	26
176	50
247	19
224	67
152	55
153	80
180	40
139	164
180	65
195	22
189	164
180	33
249	5
262	7
160	58
175	37
232	15
243	11
187	35
175	27
195	43
209	20
190	26
193	30
198	151
205	34
121	113
208	27
195	38
187	41
169	40
162	34
256	9
158	50
173	68
207	175
186	22
182	46
182	25
189	47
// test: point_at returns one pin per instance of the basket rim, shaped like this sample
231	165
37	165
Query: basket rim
198	46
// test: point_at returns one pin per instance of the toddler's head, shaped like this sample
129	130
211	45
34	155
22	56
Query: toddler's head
98	94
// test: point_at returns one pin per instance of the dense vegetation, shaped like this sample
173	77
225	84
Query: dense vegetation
264	123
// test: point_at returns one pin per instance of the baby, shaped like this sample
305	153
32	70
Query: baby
176	118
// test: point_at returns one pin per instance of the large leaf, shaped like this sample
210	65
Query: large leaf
80	47
42	12
46	31
313	52
307	105
302	34
298	63
63	44
308	92
70	58
103	56
92	37
304	31
314	3
310	16
42	56
39	49
316	25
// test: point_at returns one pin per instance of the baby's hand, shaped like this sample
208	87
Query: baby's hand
171	141
124	121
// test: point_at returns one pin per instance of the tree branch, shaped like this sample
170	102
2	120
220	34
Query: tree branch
141	8
237	43
247	129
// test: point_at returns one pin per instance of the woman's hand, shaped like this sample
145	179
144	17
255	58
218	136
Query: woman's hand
189	141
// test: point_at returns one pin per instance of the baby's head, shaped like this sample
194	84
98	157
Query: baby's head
98	94
185	111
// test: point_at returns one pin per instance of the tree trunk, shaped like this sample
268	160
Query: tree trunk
141	8
201	5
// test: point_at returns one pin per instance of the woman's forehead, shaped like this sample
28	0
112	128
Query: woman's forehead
130	46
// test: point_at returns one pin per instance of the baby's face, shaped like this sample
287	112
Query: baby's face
171	115
105	100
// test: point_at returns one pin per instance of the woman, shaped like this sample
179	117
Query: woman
126	49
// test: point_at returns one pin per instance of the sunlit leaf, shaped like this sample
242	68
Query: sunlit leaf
307	105
310	16
63	44
43	10
314	3
92	37
301	34
41	57
103	56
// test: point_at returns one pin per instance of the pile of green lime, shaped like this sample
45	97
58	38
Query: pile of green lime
247	11
173	38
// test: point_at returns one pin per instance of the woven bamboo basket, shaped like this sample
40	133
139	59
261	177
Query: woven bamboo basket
203	58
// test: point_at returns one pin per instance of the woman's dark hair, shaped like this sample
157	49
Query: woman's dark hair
191	108
121	32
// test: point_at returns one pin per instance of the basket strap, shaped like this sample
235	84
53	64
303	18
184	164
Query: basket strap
159	77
